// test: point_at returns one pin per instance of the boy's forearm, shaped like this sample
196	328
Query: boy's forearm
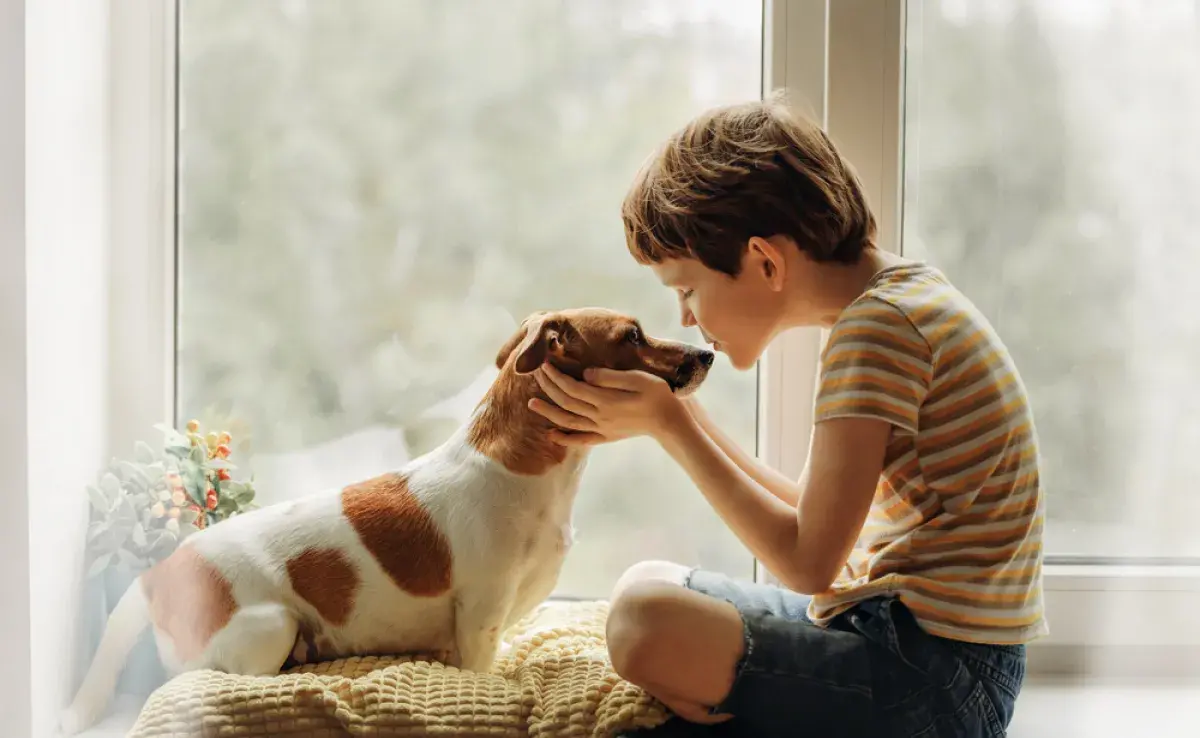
770	479
766	524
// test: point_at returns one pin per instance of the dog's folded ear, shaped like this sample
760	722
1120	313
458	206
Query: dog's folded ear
538	337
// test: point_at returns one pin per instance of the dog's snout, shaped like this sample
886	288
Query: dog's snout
706	358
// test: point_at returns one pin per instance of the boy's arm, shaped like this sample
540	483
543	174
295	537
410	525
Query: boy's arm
804	546
770	479
875	374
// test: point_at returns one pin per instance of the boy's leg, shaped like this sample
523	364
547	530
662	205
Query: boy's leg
710	647
689	667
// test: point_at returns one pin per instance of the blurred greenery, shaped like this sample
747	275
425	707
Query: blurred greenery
374	193
1050	148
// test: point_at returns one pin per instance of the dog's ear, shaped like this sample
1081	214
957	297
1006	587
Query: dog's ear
537	337
543	338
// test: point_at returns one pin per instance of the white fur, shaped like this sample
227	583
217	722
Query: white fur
487	513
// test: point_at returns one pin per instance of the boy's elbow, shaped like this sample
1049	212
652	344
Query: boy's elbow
809	582
810	573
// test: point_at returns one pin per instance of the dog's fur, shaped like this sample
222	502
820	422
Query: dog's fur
439	557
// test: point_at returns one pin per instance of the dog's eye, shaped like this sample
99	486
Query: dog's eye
634	336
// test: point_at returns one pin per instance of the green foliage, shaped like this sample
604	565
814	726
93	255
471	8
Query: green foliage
142	509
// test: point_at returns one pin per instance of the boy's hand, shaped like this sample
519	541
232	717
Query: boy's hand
609	406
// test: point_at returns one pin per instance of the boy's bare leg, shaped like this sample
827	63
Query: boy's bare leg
680	646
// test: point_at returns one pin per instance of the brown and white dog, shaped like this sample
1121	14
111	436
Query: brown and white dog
439	557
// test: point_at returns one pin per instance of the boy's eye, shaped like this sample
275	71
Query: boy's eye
685	294
634	336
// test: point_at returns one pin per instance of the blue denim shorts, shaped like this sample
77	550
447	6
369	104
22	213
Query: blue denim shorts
871	672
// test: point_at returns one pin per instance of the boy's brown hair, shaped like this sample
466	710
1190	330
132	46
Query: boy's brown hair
739	171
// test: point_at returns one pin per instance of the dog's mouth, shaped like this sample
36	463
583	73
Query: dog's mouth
691	373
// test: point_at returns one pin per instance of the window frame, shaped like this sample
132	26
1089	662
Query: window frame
1105	619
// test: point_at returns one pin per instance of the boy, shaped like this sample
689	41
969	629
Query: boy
916	524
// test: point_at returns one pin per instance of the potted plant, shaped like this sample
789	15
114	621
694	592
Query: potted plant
141	510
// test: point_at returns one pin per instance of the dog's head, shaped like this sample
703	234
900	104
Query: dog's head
579	339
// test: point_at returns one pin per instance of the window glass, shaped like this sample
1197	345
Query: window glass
374	193
1051	170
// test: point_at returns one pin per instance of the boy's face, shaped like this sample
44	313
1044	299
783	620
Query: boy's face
737	315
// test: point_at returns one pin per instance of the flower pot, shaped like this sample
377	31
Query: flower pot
143	673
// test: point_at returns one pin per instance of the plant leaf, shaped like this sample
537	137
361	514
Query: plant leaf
111	486
138	535
97	529
125	510
172	437
100	503
99	564
128	558
135	472
193	481
143	453
188	516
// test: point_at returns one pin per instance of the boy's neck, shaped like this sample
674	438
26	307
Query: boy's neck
842	284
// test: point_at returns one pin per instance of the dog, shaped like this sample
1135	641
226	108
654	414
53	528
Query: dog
439	557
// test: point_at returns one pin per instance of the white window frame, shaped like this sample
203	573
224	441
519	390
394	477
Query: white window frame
844	59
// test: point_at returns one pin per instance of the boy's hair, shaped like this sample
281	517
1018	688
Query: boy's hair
739	171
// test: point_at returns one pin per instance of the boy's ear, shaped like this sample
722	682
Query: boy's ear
765	257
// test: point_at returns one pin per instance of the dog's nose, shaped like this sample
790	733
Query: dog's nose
706	358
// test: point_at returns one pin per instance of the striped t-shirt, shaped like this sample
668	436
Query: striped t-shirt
955	528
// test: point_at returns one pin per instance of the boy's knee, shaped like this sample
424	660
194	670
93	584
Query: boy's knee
650	571
636	620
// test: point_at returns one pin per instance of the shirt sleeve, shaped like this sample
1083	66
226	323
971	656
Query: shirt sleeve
876	364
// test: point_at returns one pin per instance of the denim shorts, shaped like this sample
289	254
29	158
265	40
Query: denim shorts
872	671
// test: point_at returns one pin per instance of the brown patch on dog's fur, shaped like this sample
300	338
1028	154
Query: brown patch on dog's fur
511	434
189	600
399	532
325	579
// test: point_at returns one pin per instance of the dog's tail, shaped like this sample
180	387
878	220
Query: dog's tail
129	618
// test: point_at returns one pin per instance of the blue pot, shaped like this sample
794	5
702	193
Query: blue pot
143	672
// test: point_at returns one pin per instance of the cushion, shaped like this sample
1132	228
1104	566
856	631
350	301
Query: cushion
556	680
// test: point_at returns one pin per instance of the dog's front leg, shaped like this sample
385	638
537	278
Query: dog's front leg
479	616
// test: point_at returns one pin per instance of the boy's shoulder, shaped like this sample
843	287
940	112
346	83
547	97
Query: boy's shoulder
919	298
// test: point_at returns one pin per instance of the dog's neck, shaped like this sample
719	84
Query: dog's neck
507	431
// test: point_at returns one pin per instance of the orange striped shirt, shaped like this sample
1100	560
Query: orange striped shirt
955	529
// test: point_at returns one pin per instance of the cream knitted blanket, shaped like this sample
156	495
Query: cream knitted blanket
556	681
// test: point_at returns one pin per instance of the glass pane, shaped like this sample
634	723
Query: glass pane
374	194
1051	155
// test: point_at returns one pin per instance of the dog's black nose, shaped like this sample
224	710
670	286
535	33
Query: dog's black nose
706	358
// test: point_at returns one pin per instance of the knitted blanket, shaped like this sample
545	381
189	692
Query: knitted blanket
555	681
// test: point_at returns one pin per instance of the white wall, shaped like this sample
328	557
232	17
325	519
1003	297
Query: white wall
14	528
67	320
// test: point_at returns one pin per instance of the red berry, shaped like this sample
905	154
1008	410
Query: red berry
223	451
223	475
210	501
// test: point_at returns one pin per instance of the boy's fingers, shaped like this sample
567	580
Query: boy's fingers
576	439
573	387
629	381
561	398
560	417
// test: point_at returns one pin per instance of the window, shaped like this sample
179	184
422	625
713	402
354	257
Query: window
373	194
1050	170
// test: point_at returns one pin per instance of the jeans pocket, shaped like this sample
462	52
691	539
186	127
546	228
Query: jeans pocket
1001	671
